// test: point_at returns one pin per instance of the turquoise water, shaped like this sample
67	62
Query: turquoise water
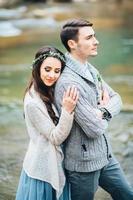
114	60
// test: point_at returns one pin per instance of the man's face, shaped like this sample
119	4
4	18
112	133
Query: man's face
86	45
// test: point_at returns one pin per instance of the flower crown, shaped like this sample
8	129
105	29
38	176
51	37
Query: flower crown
49	54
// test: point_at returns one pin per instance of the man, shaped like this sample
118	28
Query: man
89	161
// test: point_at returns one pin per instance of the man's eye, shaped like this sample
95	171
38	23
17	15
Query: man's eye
89	37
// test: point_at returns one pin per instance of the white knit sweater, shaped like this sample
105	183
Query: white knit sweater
44	156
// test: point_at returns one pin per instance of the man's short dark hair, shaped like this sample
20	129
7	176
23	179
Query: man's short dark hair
70	30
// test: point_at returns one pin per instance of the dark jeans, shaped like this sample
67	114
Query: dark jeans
111	178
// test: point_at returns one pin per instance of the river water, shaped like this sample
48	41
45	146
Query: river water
115	62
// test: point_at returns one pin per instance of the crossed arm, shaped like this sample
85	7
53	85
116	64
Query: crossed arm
88	117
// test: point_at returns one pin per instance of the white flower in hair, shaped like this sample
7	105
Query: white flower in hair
49	54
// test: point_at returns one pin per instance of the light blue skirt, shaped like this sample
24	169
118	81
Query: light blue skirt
33	189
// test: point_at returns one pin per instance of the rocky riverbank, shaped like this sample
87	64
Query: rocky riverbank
14	141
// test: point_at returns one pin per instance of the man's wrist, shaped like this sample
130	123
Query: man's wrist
105	114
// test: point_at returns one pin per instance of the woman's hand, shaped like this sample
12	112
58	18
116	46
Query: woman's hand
70	98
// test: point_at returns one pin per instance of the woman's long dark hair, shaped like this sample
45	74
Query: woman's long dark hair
46	93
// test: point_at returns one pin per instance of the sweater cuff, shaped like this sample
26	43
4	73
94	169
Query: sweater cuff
66	114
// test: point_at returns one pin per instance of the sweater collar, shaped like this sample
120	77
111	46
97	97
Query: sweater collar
79	68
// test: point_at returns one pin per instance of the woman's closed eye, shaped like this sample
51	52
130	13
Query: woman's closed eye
48	69
57	71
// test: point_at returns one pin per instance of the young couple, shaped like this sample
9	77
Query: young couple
85	103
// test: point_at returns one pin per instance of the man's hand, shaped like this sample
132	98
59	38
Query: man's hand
104	101
105	98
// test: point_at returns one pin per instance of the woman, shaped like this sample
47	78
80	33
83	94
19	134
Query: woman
42	176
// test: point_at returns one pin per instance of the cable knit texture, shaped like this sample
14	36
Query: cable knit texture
87	147
44	156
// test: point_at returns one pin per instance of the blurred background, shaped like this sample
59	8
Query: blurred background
25	26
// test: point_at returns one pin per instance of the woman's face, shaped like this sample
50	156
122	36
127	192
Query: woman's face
50	70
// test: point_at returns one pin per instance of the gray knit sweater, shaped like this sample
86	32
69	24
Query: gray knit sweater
87	148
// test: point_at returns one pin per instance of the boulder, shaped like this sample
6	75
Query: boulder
8	4
62	1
